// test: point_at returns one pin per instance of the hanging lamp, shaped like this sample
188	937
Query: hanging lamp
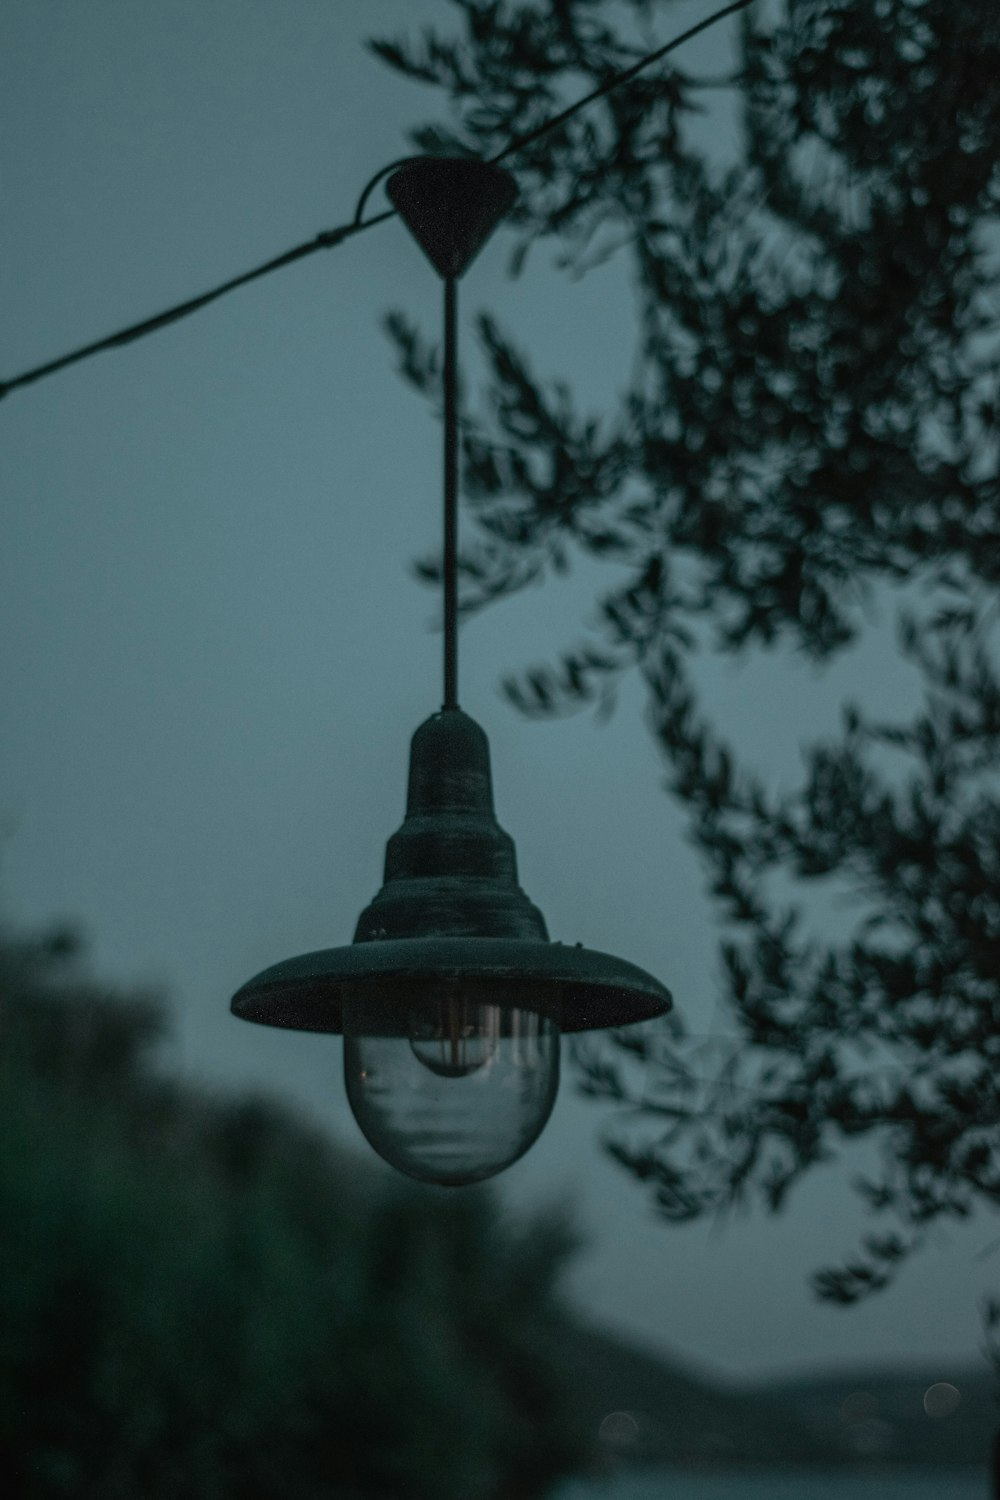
451	998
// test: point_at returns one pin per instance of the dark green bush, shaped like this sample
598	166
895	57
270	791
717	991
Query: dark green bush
202	1298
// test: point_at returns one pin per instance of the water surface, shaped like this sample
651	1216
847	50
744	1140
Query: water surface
786	1485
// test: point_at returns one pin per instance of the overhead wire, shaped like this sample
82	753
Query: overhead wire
327	239
617	79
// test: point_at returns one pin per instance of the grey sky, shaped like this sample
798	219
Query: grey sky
212	653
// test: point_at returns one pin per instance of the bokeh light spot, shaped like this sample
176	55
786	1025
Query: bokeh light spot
859	1406
941	1399
620	1428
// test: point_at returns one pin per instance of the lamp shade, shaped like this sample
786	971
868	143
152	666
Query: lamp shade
450	912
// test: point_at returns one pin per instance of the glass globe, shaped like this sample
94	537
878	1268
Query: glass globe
446	1088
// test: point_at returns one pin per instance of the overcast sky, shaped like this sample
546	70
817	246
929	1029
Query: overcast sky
213	654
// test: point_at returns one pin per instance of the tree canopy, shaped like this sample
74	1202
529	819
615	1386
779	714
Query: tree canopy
201	1297
813	423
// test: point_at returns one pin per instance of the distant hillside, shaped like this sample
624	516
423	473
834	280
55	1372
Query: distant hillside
641	1408
904	1414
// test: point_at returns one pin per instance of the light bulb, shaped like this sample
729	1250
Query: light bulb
454	1038
447	1088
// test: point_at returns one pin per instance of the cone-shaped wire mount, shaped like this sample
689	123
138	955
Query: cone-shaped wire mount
451	912
451	205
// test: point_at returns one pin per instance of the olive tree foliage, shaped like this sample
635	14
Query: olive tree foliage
812	423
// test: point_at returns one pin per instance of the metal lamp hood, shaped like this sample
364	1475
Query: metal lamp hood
451	909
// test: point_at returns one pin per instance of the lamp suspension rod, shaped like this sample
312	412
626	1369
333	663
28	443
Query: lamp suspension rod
450	572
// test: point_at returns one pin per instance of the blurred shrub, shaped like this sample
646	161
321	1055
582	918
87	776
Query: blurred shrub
202	1298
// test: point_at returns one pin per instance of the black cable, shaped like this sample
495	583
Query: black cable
325	240
373	182
619	78
328	238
